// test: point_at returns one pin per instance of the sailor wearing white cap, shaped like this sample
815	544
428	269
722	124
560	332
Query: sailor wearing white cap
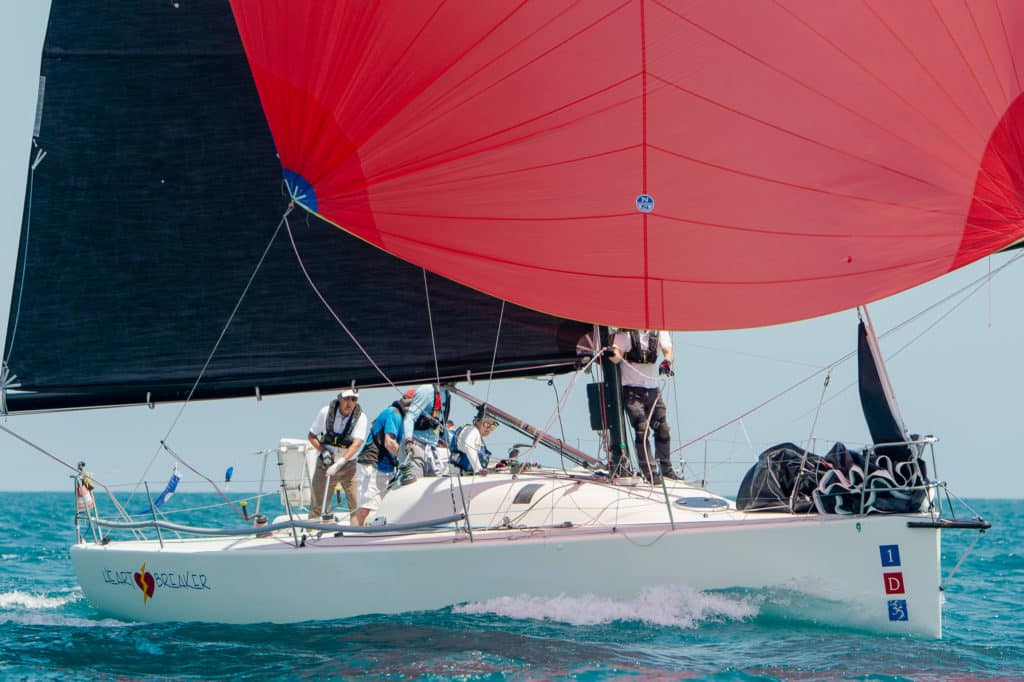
337	433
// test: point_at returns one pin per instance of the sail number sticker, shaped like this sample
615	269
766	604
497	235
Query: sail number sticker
893	582
645	203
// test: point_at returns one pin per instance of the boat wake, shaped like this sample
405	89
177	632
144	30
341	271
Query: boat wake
665	606
18	600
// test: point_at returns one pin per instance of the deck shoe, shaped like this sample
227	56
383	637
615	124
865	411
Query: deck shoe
670	474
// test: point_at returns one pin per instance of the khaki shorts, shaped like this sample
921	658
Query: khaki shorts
373	484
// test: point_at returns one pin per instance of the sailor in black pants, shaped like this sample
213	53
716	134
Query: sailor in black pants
637	351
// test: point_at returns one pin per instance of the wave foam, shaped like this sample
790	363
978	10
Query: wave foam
672	606
24	600
40	618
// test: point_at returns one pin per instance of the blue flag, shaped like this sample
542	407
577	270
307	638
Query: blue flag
228	474
169	489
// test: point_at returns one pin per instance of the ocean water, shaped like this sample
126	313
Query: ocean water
49	631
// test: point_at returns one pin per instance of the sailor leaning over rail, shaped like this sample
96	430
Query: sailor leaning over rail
379	458
642	399
338	433
428	409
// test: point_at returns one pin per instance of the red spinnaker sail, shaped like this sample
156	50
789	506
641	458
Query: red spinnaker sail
679	164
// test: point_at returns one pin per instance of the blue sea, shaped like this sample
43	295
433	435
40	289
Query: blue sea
49	631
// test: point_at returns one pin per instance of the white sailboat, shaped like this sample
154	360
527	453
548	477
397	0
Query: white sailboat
173	105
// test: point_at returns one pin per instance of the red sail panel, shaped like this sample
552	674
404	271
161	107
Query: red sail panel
654	163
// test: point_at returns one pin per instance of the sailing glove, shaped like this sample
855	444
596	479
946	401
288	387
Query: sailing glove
336	467
666	368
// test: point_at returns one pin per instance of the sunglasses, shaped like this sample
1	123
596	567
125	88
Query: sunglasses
352	399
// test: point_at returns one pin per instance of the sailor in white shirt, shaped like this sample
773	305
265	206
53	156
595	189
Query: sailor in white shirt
636	352
338	433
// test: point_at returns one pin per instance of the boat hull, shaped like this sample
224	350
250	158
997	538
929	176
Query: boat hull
866	572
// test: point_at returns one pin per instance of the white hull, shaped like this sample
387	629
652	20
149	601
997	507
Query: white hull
605	548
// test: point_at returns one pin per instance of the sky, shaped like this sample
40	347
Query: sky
956	372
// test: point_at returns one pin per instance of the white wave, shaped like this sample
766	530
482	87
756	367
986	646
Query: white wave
673	606
42	618
24	600
8	557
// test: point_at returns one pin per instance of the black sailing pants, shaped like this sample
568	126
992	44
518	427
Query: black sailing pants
641	403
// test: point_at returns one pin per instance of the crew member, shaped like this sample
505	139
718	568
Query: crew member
469	451
427	408
378	461
337	433
644	405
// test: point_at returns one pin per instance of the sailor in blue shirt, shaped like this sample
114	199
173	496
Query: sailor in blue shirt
423	422
379	458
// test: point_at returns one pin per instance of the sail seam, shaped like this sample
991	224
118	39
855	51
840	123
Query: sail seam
1006	41
828	98
643	123
371	134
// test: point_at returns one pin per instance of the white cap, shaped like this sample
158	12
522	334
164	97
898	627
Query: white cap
348	393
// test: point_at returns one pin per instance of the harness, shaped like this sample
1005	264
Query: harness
637	353
343	439
431	421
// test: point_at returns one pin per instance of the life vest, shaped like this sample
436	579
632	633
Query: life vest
343	439
637	353
375	449
432	421
460	458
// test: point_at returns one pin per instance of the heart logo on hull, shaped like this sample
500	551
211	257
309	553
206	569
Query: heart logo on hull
145	582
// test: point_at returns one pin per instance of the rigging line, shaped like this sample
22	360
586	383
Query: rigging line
24	255
57	459
977	287
330	310
988	262
561	404
810	440
216	346
958	292
430	323
757	407
52	456
977	282
494	356
188	466
561	426
758	356
679	427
